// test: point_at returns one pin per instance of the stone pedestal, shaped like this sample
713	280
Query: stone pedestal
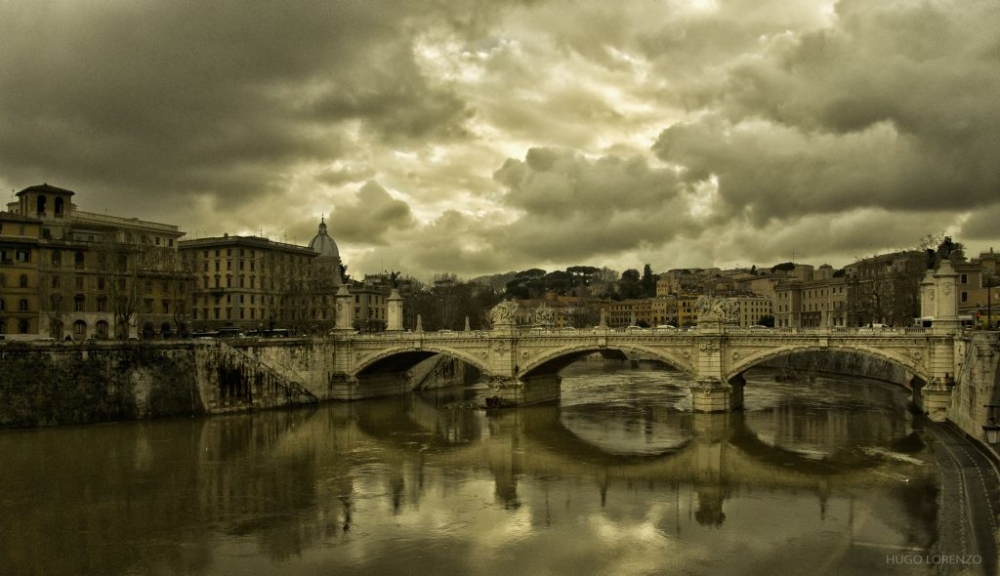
394	312
711	395
345	311
934	402
514	392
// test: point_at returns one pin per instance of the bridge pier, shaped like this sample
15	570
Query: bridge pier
933	399
517	392
713	395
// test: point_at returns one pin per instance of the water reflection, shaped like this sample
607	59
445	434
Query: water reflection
617	478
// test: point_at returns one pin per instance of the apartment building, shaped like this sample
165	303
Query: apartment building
93	275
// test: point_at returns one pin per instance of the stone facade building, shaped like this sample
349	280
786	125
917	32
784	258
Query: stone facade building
94	275
19	278
253	283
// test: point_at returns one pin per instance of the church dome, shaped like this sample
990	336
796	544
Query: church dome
322	244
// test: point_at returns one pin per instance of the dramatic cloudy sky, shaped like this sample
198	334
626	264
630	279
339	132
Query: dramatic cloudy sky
480	136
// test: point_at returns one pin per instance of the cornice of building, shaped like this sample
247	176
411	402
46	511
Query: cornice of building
79	217
247	241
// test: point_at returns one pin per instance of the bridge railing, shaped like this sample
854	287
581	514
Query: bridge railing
634	331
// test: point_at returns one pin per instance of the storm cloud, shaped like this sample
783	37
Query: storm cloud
478	137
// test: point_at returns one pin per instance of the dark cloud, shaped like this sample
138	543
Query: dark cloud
892	108
194	98
571	206
506	135
370	216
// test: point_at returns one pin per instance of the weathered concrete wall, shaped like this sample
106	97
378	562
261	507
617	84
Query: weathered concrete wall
976	383
57	383
53	383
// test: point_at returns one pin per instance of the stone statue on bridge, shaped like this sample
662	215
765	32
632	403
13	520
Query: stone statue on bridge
504	313
715	309
544	316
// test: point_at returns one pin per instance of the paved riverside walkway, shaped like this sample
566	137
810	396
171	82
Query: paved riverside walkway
969	501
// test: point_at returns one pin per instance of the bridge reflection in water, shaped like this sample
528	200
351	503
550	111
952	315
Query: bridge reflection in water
617	478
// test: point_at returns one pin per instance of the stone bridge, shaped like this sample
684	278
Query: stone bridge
523	365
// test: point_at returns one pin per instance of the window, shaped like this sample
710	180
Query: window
102	304
78	259
166	306
79	303
22	306
3	305
23	255
965	280
23	281
22	326
56	258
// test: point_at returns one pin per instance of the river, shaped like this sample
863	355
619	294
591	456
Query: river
833	476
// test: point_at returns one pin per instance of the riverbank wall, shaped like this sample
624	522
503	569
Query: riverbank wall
977	382
66	383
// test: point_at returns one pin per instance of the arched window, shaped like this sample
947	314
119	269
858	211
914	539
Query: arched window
102	329
59	206
79	329
42	201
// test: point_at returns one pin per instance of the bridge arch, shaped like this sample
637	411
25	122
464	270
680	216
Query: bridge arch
898	358
402	358
551	361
